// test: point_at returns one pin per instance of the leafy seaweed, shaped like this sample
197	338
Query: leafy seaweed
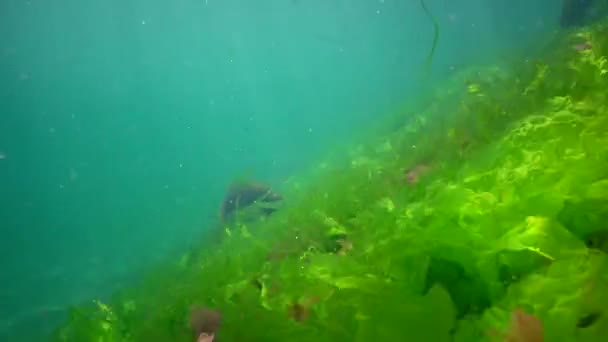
490	197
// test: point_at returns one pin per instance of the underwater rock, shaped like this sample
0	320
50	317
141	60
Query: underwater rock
204	321
244	195
469	294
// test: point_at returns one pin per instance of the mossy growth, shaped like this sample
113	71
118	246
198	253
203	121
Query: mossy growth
491	197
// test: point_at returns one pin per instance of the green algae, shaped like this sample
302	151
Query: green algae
510	213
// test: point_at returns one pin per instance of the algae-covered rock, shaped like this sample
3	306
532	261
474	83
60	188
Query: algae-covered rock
256	197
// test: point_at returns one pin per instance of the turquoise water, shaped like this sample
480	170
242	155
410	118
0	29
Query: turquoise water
122	123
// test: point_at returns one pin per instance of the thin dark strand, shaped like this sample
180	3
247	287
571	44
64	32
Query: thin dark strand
429	58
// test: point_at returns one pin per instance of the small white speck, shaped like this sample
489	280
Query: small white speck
73	175
413	146
230	60
377	11
181	165
310	130
143	22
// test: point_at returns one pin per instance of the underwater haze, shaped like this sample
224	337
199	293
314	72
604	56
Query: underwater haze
122	123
